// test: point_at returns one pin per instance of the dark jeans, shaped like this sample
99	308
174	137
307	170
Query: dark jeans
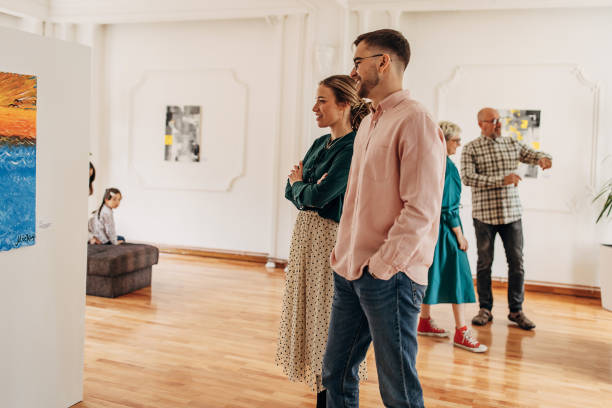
512	238
383	312
119	238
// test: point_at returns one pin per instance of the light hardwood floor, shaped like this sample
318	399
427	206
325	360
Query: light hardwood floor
204	335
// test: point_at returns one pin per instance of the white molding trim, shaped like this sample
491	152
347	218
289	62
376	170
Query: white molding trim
245	129
466	5
147	11
595	88
131	136
31	25
38	9
442	87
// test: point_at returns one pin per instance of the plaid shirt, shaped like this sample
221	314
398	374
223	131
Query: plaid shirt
484	164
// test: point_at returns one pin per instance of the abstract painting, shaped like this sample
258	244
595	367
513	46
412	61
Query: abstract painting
17	160
524	126
182	140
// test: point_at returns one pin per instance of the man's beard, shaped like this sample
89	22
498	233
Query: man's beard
366	86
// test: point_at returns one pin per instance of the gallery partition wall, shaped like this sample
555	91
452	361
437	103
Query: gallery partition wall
44	127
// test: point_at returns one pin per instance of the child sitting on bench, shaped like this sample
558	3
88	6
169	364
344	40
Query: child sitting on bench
101	225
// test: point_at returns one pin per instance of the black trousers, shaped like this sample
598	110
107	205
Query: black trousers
512	238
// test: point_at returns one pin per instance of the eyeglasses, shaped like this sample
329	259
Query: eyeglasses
357	61
493	121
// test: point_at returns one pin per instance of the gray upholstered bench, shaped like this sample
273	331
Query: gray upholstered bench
114	270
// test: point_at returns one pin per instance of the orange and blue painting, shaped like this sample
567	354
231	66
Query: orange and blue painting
17	160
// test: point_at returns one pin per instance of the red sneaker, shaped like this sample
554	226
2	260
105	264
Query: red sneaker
464	340
427	327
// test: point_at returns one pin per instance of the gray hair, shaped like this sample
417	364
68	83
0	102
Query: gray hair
449	129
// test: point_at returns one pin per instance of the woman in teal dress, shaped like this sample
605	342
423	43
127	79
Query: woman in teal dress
450	277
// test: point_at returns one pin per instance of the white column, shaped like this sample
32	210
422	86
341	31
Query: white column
364	20
279	27
395	19
92	35
48	29
64	31
325	56
346	43
86	33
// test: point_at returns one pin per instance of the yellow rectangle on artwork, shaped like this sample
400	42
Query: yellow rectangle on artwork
536	145
524	124
168	140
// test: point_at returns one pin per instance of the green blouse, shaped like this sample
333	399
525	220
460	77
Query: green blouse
325	198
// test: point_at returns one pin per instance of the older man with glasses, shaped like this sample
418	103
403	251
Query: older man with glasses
489	165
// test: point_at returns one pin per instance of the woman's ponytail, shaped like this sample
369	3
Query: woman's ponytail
358	112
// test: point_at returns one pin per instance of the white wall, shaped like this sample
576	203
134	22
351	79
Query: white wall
236	215
43	303
281	57
560	238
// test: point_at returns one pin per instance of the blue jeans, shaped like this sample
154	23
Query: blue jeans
384	312
119	238
512	237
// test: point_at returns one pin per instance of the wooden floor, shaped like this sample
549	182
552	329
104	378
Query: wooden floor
204	335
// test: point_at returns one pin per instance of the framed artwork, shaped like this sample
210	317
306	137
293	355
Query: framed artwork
17	160
524	126
183	128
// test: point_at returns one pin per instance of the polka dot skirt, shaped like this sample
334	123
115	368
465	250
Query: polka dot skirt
307	300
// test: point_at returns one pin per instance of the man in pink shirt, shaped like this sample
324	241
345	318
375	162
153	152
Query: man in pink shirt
387	233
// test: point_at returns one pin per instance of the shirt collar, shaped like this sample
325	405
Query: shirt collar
490	139
391	101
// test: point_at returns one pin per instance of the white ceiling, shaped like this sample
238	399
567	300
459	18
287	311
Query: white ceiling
126	11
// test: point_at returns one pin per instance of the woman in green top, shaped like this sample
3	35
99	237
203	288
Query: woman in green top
316	187
450	277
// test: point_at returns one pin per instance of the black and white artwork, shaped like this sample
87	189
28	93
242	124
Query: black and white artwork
183	132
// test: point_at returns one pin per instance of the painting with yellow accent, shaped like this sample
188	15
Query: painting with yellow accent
524	126
182	138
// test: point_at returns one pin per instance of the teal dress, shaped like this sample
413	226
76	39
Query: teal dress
450	277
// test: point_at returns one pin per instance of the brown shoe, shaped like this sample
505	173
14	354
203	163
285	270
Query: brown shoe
522	320
483	317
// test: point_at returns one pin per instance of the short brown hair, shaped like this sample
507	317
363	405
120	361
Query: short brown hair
389	40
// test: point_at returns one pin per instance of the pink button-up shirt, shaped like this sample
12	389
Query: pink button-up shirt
394	195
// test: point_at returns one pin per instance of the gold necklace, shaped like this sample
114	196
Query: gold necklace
331	142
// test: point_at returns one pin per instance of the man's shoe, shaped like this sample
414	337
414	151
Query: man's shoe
427	327
522	320
483	317
463	339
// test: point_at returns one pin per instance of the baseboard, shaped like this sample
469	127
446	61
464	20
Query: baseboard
214	253
549	287
262	258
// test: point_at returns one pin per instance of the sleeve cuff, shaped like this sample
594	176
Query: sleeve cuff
454	222
296	190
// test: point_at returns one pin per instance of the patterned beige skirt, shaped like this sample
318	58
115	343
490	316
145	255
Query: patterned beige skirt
307	301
